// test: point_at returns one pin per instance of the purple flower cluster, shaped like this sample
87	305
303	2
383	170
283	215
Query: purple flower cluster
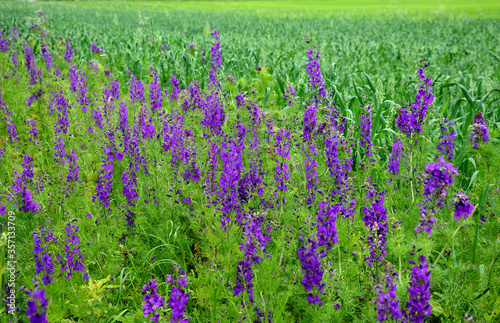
73	259
12	131
463	207
339	169
178	298
309	257
47	56
439	176
255	238
20	187
155	95
479	131
375	218
411	121
174	83
232	164
58	100
35	73
69	51
73	168
104	183
4	43
136	90
37	305
214	115
216	59
95	49
418	307
59	150
152	300
33	97
315	78
325	222
395	157
445	145
366	130
310	123
386	304
43	261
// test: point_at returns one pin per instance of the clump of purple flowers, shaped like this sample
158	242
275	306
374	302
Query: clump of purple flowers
178	297
20	187
366	130
439	176
375	218
479	131
315	78
309	257
73	260
411	120
47	57
445	145
104	183
387	305
152	300
96	49
69	51
33	130
43	261
12	132
396	155
463	207
37	305
418	307
216	59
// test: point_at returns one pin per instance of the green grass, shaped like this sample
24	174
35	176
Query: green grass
370	51
314	8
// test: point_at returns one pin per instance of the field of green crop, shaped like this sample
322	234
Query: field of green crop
250	161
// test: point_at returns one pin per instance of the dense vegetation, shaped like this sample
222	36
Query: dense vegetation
225	166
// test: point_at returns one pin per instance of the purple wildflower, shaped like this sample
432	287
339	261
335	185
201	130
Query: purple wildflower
43	261
418	308
479	131
47	57
33	97
37	305
136	90
95	49
310	122
12	132
375	218
216	59
155	94
69	51
174	83
411	121
178	298
73	167
395	157
463	207
73	260
366	130
446	140
310	263
386	304
315	78
152	300
104	183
